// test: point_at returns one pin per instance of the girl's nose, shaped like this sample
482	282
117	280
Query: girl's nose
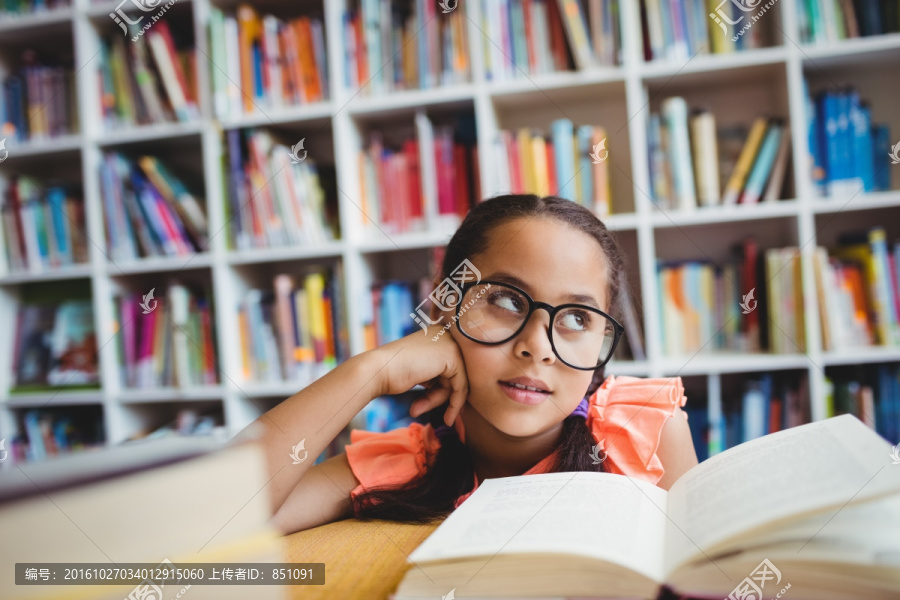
534	339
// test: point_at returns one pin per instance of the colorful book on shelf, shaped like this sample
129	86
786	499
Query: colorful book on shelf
273	199
167	338
43	227
297	331
873	397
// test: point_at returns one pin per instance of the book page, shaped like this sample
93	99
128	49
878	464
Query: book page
811	467
602	515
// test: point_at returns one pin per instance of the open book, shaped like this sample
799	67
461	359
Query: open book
815	508
177	500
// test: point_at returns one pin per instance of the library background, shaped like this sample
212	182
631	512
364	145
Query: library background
207	204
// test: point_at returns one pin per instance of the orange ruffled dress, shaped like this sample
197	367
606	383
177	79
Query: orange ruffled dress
625	414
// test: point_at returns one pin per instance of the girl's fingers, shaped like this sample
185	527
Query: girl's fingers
460	390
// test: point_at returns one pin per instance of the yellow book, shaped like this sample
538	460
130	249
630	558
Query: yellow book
315	289
245	344
541	172
526	160
745	162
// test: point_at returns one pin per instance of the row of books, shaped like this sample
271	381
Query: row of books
147	80
875	401
263	62
572	164
858	291
401	46
425	182
43	227
841	19
55	344
166	338
848	151
13	8
690	158
38	101
539	36
681	29
276	194
296	332
51	432
149	211
748	304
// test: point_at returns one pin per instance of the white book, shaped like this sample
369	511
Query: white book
719	523
675	116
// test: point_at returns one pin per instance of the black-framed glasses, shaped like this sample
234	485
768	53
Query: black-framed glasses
582	337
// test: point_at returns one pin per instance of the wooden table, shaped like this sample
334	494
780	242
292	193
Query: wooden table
363	559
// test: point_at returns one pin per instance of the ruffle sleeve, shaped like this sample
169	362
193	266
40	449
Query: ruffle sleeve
390	458
626	417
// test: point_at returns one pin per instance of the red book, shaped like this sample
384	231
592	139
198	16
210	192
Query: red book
209	351
462	179
413	178
402	201
476	175
443	149
362	68
162	29
517	186
557	37
15	204
329	330
529	35
551	169
895	285
775	415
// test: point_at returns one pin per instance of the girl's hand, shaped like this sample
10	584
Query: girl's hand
436	363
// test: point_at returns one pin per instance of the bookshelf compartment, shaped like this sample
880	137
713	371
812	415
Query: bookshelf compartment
281	187
589	114
291	318
164	328
756	403
200	417
856	125
37	76
45	432
419	172
245	87
163	51
871	392
632	346
153	198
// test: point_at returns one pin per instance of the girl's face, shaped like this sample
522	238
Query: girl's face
552	262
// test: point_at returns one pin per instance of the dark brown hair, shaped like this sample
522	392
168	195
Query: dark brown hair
433	495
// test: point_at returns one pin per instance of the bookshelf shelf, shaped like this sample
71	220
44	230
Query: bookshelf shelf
60	274
200	260
35	20
702	364
170	394
50	399
713	215
738	86
662	70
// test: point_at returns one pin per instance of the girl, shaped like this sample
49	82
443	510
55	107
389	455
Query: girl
517	394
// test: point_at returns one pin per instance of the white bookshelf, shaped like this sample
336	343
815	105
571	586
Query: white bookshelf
736	86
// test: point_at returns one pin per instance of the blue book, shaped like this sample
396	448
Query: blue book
861	150
56	199
585	170
753	410
829	111
845	135
563	143
814	129
762	166
520	43
881	147
698	423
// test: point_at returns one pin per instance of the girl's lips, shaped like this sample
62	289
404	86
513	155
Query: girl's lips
523	396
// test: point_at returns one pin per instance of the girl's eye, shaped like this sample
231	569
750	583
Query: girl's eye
575	320
507	301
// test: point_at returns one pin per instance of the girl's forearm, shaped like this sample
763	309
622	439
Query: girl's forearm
315	415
